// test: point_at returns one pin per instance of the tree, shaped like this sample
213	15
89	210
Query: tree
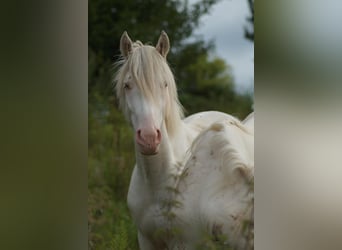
197	76
249	32
143	20
109	18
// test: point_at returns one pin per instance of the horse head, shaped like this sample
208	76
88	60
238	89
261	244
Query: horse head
146	90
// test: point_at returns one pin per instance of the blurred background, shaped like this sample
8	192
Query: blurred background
205	77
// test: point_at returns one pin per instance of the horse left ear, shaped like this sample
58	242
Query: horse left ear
125	45
163	45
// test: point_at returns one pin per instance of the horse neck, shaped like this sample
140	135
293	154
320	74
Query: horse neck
158	170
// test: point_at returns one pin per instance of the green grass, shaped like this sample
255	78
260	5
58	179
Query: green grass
110	163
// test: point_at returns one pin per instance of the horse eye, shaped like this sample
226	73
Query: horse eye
127	86
165	84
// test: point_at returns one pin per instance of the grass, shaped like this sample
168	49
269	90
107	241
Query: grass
110	163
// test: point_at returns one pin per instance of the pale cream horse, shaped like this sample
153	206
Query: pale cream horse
192	184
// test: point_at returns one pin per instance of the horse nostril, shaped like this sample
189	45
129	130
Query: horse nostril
158	135
139	133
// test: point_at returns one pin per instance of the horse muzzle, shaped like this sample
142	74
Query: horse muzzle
148	141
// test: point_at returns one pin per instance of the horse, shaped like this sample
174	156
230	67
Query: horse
192	184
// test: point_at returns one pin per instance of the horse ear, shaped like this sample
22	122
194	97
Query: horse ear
163	44
125	45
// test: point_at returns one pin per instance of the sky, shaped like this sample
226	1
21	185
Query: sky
225	26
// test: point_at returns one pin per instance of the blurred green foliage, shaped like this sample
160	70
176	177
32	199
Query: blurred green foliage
204	83
249	31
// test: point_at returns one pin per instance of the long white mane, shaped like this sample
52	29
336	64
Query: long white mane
217	184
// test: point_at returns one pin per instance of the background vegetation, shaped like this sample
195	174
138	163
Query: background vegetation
204	83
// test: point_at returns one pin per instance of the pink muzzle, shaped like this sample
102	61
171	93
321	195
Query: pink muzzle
148	140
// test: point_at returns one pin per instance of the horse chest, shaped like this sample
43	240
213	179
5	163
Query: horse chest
150	221
145	212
